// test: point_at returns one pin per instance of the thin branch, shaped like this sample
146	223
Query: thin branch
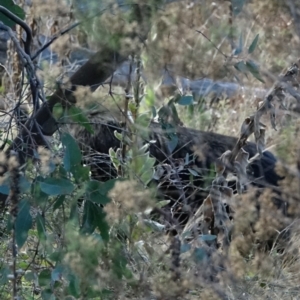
20	22
214	45
53	38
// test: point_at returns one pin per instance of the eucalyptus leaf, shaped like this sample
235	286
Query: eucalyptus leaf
45	277
200	254
41	227
253	44
254	70
56	186
56	273
97	192
193	172
74	286
72	155
172	143
13	8
239	49
241	66
23	223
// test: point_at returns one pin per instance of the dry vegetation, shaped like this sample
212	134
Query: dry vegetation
69	250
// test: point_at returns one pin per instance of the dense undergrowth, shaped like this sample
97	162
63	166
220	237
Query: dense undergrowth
80	238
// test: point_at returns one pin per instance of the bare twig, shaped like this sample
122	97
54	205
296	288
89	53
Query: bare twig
213	44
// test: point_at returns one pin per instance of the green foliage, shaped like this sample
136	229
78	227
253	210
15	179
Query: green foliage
185	100
67	248
77	115
237	6
169	119
253	44
15	9
97	192
254	70
249	66
23	223
72	155
239	49
57	186
51	207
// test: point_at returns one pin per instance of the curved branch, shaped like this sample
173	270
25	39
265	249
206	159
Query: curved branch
20	22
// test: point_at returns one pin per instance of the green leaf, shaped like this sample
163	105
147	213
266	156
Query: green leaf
56	273
147	176
15	9
29	276
81	173
74	287
79	117
94	192
113	157
89	217
97	191
237	6
208	237
39	196
109	184
4	272
153	110
170	133
174	112
59	202
239	49
57	111
56	186
254	70
47	294
161	204
253	44
241	66
56	256
72	155
41	227
172	143
4	189
119	263
150	97
154	225
94	216
24	185
101	223
193	172
45	277
185	100
23	223
163	113
200	254
142	165
185	248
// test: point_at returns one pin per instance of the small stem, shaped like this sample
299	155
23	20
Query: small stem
137	89
127	99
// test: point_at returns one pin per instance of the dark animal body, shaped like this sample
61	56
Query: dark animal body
205	147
